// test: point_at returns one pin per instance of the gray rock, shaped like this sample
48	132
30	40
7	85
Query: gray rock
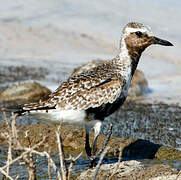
25	93
131	170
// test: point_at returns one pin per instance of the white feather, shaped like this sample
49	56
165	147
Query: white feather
129	30
56	116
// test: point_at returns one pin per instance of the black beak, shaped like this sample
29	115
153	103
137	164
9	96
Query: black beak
156	40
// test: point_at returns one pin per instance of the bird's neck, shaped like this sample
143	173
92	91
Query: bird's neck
128	58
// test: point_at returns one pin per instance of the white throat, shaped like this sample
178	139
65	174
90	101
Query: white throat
125	60
124	55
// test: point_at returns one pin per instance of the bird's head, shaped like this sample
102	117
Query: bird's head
137	37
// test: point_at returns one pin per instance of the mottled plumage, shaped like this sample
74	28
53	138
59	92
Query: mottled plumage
93	88
89	97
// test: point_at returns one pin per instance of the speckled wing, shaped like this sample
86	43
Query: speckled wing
81	94
93	97
82	91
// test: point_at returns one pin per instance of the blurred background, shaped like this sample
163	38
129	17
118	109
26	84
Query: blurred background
58	35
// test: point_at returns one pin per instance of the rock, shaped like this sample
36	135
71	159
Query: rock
139	84
168	153
131	170
106	171
25	93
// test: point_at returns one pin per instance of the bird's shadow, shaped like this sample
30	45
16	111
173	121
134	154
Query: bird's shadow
137	150
140	149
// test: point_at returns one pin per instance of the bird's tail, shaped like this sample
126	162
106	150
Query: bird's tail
21	112
33	107
26	108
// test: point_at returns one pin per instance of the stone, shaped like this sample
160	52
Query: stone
131	170
25	92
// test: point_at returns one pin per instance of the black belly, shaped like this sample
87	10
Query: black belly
106	109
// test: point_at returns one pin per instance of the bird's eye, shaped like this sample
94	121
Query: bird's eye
139	33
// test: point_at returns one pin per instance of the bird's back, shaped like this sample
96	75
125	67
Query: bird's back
94	91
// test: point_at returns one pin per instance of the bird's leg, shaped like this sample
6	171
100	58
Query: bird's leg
95	155
91	152
87	145
97	129
109	133
94	145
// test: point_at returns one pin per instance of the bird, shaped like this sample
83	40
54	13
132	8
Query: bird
89	97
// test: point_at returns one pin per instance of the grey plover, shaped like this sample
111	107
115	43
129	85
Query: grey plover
87	98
